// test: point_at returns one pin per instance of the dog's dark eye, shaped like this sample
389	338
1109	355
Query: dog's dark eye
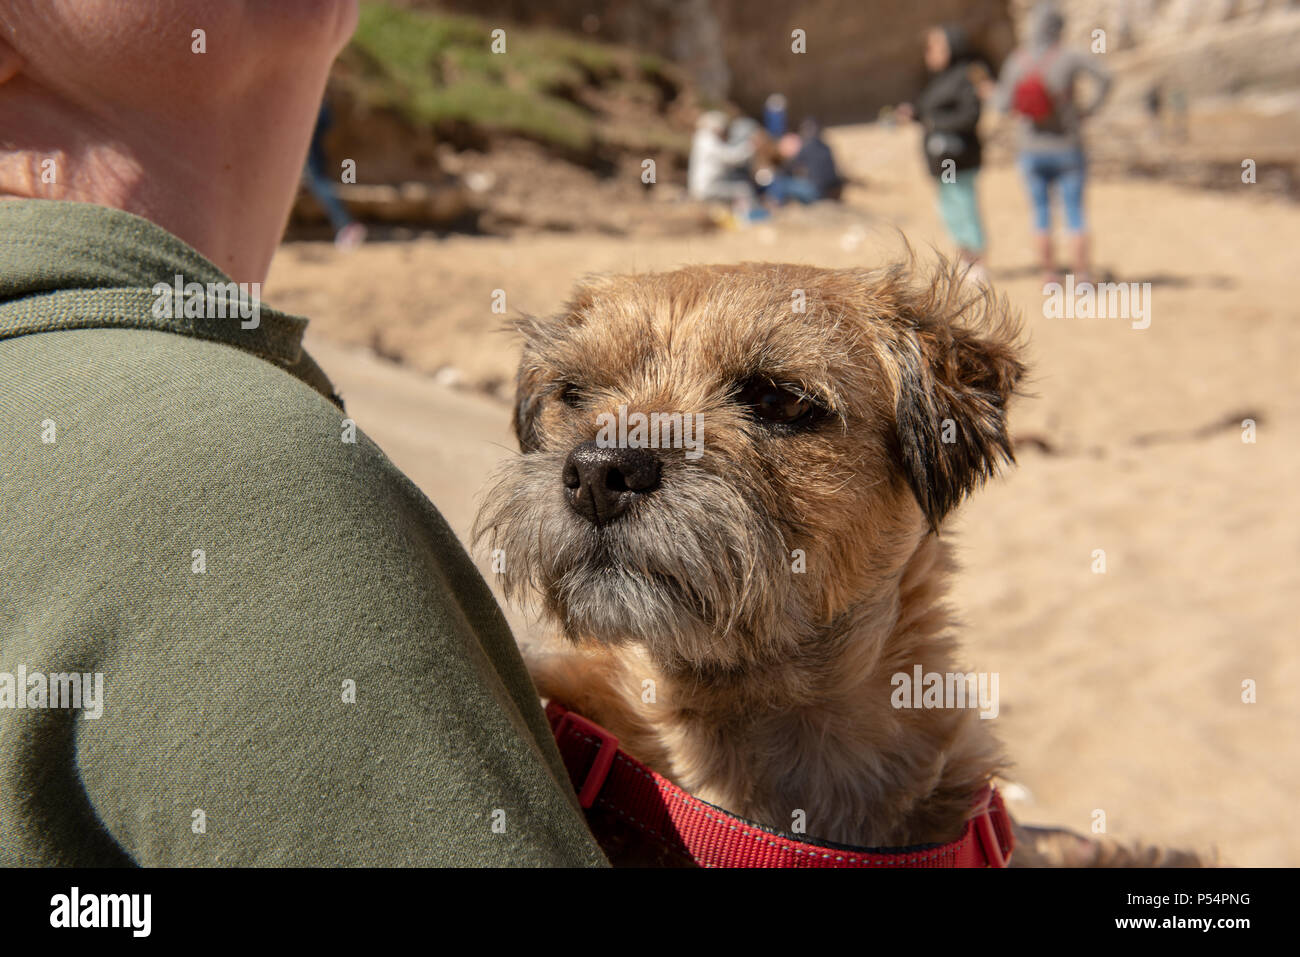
777	404
569	394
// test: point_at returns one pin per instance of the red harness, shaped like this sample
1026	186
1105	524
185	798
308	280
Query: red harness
629	805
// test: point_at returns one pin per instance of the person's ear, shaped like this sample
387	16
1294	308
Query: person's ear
959	368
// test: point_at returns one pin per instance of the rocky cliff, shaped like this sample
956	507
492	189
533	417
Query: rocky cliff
858	56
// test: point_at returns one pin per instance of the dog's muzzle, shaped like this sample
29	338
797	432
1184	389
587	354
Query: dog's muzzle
602	483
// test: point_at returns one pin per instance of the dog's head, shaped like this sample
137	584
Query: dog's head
719	460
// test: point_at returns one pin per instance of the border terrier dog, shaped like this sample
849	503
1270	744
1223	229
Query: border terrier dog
762	542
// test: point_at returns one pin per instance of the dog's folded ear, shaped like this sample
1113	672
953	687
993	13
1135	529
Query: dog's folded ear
959	369
542	336
527	400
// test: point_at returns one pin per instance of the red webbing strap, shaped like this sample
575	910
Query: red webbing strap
612	782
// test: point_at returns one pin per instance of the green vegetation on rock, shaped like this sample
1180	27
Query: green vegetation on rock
438	69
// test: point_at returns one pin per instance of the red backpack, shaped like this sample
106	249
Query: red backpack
1031	97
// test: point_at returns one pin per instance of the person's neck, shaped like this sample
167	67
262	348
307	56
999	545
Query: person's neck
818	736
195	177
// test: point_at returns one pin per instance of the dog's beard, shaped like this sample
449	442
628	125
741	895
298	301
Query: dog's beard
696	572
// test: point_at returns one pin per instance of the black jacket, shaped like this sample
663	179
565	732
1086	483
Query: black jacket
949	110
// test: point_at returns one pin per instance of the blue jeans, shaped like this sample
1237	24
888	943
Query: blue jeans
322	187
784	188
1065	168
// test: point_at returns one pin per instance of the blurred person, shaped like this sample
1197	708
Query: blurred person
745	132
811	174
775	116
348	233
299	663
1038	85
718	166
948	110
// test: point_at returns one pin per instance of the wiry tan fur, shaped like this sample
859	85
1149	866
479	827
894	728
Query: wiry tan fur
771	688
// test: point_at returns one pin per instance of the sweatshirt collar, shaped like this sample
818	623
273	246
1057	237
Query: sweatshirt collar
78	265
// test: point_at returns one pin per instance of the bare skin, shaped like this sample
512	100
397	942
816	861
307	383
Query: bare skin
1078	253
110	103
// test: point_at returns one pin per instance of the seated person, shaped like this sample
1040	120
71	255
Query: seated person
811	175
719	166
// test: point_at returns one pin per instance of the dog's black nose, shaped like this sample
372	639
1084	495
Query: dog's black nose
601	483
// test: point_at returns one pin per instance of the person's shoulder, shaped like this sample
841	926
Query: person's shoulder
190	372
190	404
153	431
1013	67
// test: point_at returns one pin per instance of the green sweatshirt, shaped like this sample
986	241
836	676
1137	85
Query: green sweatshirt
228	634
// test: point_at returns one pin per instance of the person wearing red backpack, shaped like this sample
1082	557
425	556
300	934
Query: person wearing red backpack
1038	85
